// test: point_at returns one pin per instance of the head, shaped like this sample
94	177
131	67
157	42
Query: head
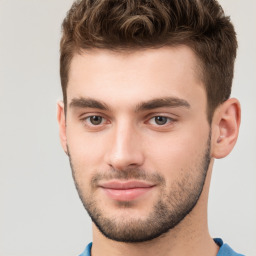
145	88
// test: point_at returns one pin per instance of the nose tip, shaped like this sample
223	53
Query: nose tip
122	162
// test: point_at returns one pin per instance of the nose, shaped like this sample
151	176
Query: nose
125	147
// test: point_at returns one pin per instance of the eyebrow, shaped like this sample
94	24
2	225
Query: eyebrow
87	103
172	102
148	105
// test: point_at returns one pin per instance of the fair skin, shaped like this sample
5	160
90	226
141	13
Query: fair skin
128	131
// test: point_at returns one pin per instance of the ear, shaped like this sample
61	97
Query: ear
225	128
62	125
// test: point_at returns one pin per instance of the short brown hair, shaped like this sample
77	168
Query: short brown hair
135	24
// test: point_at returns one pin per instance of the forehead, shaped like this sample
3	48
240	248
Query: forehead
133	76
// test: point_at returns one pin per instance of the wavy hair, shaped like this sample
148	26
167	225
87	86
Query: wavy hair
121	25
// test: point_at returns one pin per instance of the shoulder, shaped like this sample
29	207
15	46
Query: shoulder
87	251
225	249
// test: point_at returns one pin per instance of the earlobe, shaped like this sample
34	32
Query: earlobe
225	128
62	125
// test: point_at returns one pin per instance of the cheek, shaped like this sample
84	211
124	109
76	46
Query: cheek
86	152
177	153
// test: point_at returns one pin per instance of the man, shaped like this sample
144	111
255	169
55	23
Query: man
145	111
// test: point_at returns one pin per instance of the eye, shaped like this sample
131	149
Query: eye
95	120
160	120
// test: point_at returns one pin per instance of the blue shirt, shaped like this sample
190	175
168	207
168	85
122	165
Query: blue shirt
224	250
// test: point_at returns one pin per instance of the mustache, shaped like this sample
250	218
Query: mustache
127	174
124	174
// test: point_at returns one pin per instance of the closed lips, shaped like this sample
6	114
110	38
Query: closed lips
125	185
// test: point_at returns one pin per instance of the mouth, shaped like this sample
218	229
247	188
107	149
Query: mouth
126	191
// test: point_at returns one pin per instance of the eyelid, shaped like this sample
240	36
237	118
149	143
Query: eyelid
164	127
162	114
90	112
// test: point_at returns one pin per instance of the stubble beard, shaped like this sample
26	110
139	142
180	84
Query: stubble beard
171	208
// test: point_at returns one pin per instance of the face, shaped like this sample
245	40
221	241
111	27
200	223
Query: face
138	139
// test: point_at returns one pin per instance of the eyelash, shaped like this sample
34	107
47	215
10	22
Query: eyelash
168	121
87	120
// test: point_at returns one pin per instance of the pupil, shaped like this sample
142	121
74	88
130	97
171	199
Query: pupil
161	120
96	120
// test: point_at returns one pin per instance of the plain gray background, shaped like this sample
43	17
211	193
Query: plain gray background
40	212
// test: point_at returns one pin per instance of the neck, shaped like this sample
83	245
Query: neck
189	237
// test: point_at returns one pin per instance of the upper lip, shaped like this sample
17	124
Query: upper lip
122	185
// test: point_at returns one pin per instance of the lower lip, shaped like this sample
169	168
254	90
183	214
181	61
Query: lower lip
126	194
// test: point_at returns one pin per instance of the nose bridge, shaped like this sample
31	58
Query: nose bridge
125	149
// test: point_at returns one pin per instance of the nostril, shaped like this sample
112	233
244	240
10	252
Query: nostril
124	160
